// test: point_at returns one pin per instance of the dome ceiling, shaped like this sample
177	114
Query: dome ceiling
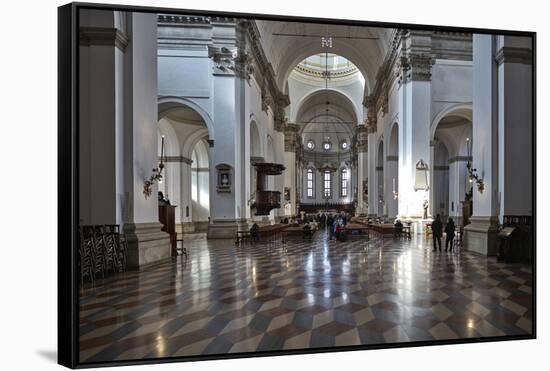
286	44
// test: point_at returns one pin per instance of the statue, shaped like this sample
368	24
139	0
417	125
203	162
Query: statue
425	206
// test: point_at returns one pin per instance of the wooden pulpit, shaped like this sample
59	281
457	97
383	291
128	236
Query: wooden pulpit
167	216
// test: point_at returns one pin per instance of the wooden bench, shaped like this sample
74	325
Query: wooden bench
242	236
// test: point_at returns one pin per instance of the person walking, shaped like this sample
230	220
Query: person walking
437	231
450	232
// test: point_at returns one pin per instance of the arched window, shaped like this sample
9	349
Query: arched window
327	182
310	183
344	182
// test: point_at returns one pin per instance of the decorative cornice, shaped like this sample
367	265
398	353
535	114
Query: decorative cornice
264	75
508	54
166	19
103	36
176	159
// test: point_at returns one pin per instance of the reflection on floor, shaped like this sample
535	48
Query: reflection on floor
302	295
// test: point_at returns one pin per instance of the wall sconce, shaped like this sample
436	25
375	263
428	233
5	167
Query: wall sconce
472	172
157	174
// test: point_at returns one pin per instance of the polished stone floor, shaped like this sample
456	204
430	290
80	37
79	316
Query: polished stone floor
302	295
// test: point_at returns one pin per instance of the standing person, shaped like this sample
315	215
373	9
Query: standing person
330	222
437	231
450	232
255	232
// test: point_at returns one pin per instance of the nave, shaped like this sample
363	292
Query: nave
263	297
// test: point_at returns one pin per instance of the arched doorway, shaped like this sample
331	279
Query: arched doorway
186	129
451	138
200	186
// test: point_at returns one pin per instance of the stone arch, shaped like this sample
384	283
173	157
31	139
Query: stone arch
344	49
463	110
167	103
300	104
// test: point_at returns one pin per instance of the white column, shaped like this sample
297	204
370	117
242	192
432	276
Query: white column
362	174
228	209
289	175
480	235
415	143
372	173
515	125
146	242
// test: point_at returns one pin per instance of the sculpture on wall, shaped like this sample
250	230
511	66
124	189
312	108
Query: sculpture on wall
421	176
224	178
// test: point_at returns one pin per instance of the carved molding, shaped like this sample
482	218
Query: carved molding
244	66
183	159
103	36
508	54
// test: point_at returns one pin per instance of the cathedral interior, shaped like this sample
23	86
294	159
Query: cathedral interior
253	185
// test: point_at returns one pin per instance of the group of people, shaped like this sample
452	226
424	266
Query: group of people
335	223
437	232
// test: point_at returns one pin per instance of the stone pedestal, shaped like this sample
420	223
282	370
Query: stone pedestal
147	244
480	235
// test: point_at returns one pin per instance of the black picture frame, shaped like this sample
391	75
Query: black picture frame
68	182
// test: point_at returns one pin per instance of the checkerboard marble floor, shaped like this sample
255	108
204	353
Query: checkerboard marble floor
226	299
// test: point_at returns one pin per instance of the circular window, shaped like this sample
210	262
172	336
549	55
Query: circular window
327	146
344	145
310	144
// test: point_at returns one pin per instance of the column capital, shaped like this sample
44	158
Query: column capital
508	54
416	67
280	118
362	135
290	132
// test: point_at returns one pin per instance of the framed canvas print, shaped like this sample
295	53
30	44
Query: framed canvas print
237	185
